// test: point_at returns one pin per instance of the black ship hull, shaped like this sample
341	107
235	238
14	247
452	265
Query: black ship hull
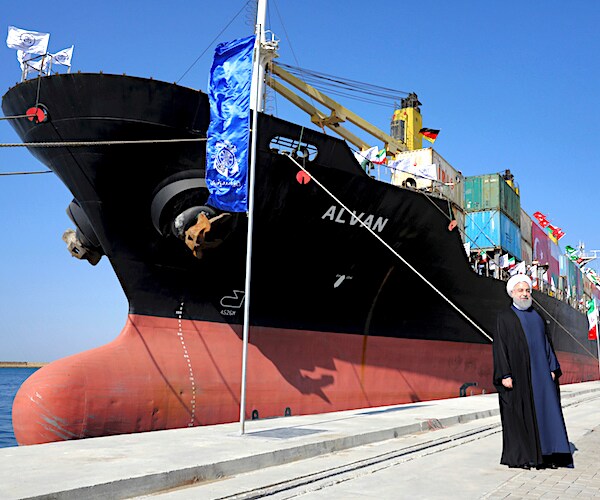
317	273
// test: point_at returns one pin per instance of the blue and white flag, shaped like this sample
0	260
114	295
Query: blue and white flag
407	165
28	41
229	130
32	64
63	56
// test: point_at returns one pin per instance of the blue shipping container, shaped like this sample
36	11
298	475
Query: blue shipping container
492	229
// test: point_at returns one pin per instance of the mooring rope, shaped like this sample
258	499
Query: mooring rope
412	268
381	240
14	117
26	173
71	144
559	324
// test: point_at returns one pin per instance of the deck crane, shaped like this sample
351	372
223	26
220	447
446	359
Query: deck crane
408	137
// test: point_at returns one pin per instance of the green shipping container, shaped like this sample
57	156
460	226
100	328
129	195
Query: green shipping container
491	192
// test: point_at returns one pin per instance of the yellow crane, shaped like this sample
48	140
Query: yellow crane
406	122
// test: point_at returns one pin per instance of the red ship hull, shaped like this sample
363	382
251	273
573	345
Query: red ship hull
164	373
337	320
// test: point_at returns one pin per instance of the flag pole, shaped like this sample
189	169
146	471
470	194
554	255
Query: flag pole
257	73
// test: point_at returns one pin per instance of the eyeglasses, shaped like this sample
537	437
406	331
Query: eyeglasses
522	290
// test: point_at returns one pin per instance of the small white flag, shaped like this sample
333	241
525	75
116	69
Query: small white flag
32	63
402	165
533	272
503	263
31	42
406	165
518	269
63	57
24	56
427	171
362	156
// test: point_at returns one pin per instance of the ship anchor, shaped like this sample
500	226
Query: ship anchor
195	236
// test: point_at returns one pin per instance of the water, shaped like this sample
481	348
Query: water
10	381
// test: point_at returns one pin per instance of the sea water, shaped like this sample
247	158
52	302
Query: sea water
10	381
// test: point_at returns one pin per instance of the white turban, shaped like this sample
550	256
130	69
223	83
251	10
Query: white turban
517	278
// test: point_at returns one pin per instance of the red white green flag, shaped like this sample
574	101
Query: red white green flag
380	157
592	315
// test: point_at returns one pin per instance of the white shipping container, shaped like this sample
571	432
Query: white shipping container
526	223
449	181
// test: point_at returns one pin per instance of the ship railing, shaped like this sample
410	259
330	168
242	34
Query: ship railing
40	65
577	302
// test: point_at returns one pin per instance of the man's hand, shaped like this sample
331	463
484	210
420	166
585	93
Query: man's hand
553	375
507	382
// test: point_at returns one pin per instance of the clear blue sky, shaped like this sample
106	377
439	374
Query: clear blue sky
510	84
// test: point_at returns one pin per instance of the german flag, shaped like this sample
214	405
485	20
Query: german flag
429	133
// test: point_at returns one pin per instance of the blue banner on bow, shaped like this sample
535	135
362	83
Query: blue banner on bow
229	130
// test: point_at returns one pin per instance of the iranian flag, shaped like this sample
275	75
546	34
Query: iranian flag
380	157
592	315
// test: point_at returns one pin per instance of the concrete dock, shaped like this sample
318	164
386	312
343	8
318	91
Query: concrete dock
291	453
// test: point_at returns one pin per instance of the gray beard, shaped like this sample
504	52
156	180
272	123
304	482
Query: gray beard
522	304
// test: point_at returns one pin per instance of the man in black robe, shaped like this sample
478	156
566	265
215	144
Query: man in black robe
526	374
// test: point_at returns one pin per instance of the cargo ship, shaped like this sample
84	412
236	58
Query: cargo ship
362	294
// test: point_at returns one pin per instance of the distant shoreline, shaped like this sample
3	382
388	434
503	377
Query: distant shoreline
21	364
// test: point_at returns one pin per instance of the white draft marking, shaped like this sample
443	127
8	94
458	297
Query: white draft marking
186	357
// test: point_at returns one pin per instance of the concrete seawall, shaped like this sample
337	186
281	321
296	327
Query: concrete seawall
141	464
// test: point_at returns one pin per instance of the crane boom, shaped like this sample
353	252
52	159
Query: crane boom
316	116
338	114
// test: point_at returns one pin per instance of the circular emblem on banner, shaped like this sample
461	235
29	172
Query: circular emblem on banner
27	39
224	159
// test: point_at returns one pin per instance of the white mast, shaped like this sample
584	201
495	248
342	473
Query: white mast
258	70
256	104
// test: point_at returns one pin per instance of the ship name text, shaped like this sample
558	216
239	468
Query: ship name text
341	216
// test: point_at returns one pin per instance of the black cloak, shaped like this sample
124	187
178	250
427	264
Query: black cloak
520	433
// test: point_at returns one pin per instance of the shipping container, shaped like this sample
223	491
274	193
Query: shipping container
449	183
541	245
575	279
555	250
588	287
569	271
525	226
491	192
563	265
493	229
526	250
